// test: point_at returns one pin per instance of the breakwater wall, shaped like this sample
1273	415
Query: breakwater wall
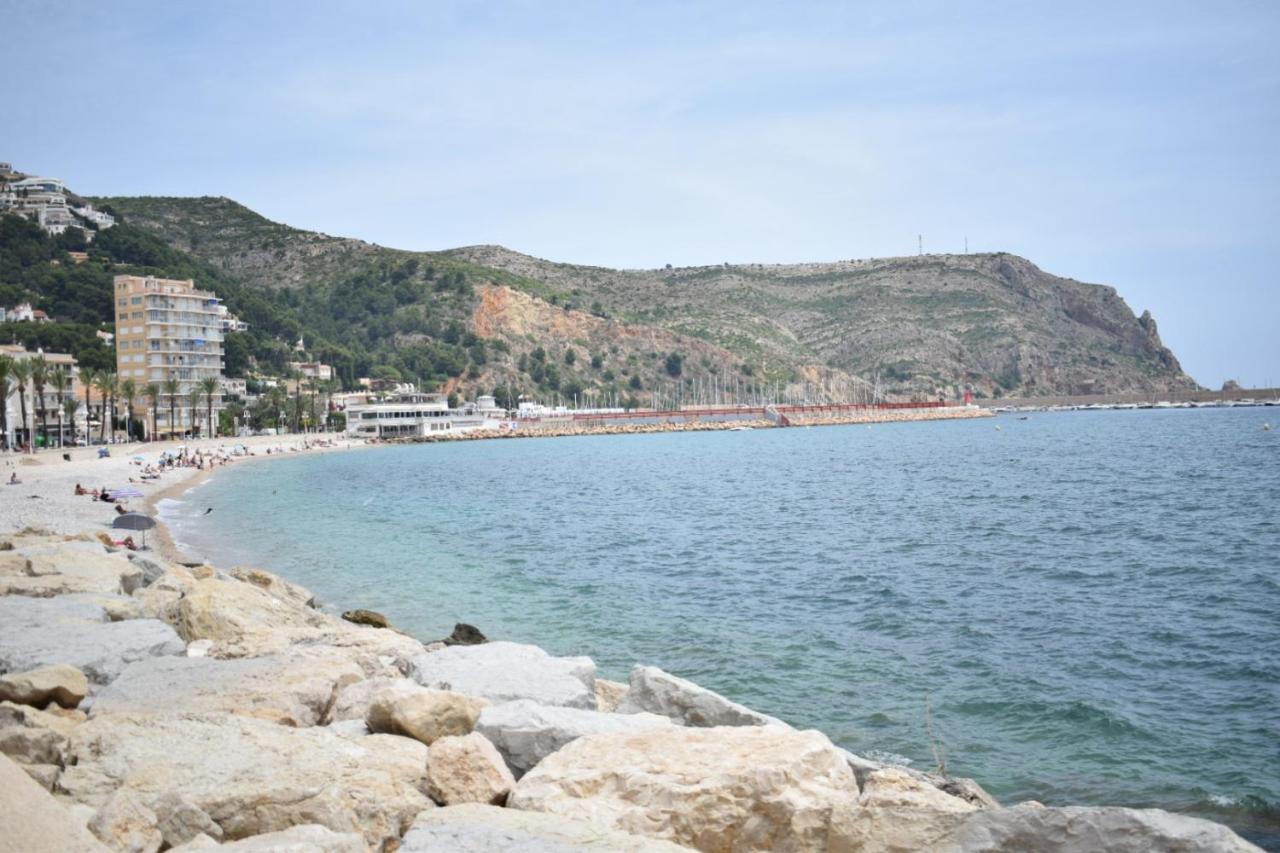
1256	394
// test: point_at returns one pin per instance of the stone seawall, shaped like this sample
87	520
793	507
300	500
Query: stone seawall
147	706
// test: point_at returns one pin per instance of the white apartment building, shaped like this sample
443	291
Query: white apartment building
167	329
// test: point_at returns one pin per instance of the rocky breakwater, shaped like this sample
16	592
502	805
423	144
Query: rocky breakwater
146	706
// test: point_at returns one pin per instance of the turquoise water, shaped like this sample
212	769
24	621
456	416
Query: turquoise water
1088	602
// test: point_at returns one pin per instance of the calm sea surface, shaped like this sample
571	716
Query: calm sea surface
1088	602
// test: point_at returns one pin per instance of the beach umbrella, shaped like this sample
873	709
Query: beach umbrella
134	521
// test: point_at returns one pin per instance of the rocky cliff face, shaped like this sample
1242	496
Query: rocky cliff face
925	325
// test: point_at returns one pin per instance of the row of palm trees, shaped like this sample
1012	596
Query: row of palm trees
36	373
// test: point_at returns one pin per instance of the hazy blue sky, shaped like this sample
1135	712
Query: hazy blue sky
1132	144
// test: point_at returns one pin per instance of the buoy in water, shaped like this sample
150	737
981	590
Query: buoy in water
1266	427
999	428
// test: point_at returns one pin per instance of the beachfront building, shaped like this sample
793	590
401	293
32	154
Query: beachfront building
50	402
166	329
412	414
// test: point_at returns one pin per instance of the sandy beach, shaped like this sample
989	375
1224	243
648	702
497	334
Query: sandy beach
45	496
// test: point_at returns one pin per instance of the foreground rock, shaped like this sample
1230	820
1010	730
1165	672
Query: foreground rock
467	770
353	701
295	688
717	789
307	838
898	812
32	821
505	672
526	732
39	632
659	692
31	736
61	684
425	715
44	566
251	776
1083	830
125	823
483	829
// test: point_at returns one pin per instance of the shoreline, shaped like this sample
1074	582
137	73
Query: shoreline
338	689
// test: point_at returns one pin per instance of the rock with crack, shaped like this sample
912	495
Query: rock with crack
467	769
659	692
62	684
294	688
526	732
482	829
32	821
426	715
37	632
741	788
505	672
251	776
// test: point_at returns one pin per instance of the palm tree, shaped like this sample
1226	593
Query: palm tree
39	378
70	406
105	382
21	372
153	393
193	401
89	379
128	390
6	370
59	379
209	385
171	388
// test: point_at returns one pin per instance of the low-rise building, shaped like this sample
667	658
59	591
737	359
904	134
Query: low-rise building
312	370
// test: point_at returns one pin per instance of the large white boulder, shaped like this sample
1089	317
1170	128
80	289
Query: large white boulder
304	838
251	776
37	632
295	687
467	769
505	672
32	821
1080	829
742	788
353	700
526	732
681	700
484	829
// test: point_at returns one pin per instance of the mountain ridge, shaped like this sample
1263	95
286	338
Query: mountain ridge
918	325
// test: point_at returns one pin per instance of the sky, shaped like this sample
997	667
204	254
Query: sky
1135	144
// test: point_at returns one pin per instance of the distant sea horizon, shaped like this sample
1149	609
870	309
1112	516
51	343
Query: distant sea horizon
1086	601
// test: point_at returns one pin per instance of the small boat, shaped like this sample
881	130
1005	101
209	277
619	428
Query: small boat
739	429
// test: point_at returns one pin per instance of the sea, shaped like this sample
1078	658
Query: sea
1076	608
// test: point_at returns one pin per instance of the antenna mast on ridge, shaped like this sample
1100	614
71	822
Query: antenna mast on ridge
920	244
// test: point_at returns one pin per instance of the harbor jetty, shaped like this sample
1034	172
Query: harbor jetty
151	703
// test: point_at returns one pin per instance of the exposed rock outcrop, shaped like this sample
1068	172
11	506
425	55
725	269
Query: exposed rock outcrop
32	821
